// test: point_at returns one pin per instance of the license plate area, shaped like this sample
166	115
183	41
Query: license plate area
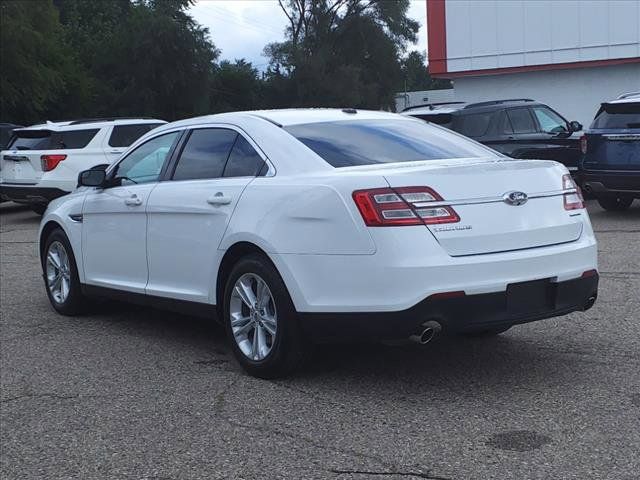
531	297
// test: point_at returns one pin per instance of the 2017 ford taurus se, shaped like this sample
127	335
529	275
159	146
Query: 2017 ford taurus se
297	226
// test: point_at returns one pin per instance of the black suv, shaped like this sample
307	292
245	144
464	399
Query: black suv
519	128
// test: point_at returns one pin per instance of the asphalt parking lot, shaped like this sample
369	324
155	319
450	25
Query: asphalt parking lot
132	393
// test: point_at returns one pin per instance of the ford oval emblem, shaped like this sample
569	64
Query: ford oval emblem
515	198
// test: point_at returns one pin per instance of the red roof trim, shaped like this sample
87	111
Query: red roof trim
437	36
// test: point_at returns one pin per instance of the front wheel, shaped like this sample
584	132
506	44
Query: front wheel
615	204
261	320
61	275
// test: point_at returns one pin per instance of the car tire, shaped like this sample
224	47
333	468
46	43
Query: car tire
260	351
615	204
486	332
38	208
58	262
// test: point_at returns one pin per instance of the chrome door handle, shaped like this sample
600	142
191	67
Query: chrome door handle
133	201
118	152
219	199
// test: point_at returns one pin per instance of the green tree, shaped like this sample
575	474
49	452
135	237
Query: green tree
236	86
416	76
39	69
341	52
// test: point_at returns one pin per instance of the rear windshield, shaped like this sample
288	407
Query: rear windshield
368	142
50	140
617	115
443	119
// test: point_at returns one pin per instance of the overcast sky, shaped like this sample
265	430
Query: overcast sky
241	28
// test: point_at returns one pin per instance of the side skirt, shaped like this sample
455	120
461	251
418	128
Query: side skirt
203	310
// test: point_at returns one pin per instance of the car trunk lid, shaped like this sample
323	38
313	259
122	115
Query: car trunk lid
490	221
21	162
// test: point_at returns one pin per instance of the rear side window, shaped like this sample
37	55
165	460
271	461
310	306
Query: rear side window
125	135
368	142
244	161
473	125
71	140
205	154
521	120
618	115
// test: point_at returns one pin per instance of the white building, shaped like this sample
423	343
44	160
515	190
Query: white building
569	54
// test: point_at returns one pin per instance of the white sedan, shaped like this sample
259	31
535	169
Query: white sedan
299	226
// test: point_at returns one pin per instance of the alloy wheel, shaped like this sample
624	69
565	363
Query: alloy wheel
58	271
253	316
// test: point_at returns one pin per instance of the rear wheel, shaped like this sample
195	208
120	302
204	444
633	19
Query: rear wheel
38	208
617	203
261	320
61	275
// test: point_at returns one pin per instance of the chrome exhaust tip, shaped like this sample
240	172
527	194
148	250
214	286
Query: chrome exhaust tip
430	330
590	301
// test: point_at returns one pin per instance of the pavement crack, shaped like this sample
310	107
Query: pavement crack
39	395
427	475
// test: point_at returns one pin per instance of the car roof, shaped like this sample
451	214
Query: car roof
287	117
84	124
455	107
632	97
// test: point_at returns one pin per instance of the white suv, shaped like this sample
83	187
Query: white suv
42	162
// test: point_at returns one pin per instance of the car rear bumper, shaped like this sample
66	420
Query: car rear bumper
456	314
29	193
610	182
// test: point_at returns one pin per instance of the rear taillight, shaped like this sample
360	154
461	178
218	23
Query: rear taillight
49	162
389	207
572	201
583	144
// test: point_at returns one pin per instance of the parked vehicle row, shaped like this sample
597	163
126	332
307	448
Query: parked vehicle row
605	160
299	226
42	162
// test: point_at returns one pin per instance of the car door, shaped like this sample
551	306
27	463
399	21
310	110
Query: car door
114	229
189	213
522	137
556	140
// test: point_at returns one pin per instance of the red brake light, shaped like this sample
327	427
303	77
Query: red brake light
388	207
583	144
572	201
49	162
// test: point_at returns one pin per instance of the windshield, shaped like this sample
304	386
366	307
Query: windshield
367	142
618	115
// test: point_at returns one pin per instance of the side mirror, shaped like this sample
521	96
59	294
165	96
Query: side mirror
92	178
575	126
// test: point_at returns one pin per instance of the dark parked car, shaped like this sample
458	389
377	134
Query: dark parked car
6	130
519	128
610	166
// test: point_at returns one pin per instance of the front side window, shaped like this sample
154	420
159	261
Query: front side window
125	135
144	164
550	121
368	142
205	154
521	120
243	161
